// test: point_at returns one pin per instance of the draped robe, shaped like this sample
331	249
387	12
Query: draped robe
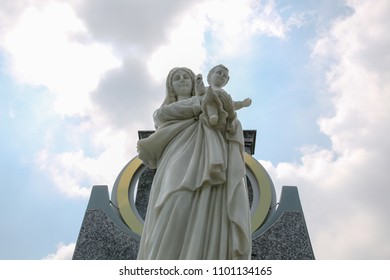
198	205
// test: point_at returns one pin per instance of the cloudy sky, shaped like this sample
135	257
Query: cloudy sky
78	79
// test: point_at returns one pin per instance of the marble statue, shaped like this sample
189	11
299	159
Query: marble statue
198	206
217	103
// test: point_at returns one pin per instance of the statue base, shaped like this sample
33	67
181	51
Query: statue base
111	228
105	236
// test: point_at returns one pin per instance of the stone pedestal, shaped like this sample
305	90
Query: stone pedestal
106	235
103	234
284	235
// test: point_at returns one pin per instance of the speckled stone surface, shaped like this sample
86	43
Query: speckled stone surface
101	239
143	190
287	239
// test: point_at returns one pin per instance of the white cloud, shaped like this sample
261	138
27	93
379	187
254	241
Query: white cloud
268	20
75	172
63	252
185	46
233	28
128	95
230	28
343	190
49	47
133	27
230	31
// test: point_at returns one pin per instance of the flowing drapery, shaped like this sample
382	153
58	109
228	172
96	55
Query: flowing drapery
198	206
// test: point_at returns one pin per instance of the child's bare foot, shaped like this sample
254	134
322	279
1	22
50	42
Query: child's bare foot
213	120
230	126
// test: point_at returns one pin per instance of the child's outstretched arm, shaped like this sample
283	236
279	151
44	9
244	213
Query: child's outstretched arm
241	104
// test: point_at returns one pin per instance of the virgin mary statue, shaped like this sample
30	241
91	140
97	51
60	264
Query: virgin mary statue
198	206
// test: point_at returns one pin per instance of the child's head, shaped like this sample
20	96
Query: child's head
218	76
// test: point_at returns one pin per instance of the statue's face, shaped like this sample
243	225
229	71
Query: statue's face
219	77
182	85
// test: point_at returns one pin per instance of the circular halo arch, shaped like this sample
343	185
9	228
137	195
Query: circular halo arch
126	185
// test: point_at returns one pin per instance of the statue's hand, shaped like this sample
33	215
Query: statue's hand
227	103
197	110
246	102
209	96
199	86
